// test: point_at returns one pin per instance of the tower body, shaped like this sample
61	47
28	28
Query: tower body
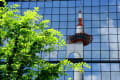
77	49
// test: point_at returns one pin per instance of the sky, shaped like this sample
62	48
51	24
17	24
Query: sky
100	20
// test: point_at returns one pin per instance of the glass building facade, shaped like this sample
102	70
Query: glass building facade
101	19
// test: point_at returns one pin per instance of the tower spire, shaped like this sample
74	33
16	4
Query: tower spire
80	16
79	27
80	19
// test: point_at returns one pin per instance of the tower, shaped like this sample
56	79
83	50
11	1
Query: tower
76	43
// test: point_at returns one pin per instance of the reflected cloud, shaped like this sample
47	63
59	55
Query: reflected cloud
111	35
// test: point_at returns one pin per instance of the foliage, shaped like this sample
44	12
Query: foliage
21	37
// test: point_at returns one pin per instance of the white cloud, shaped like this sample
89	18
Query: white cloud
118	6
105	76
110	35
50	55
93	77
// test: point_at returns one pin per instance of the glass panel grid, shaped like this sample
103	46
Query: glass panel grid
101	19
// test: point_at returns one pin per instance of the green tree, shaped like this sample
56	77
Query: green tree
21	37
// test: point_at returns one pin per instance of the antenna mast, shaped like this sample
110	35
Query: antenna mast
80	5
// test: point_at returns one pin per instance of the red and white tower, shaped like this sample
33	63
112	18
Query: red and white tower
76	43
